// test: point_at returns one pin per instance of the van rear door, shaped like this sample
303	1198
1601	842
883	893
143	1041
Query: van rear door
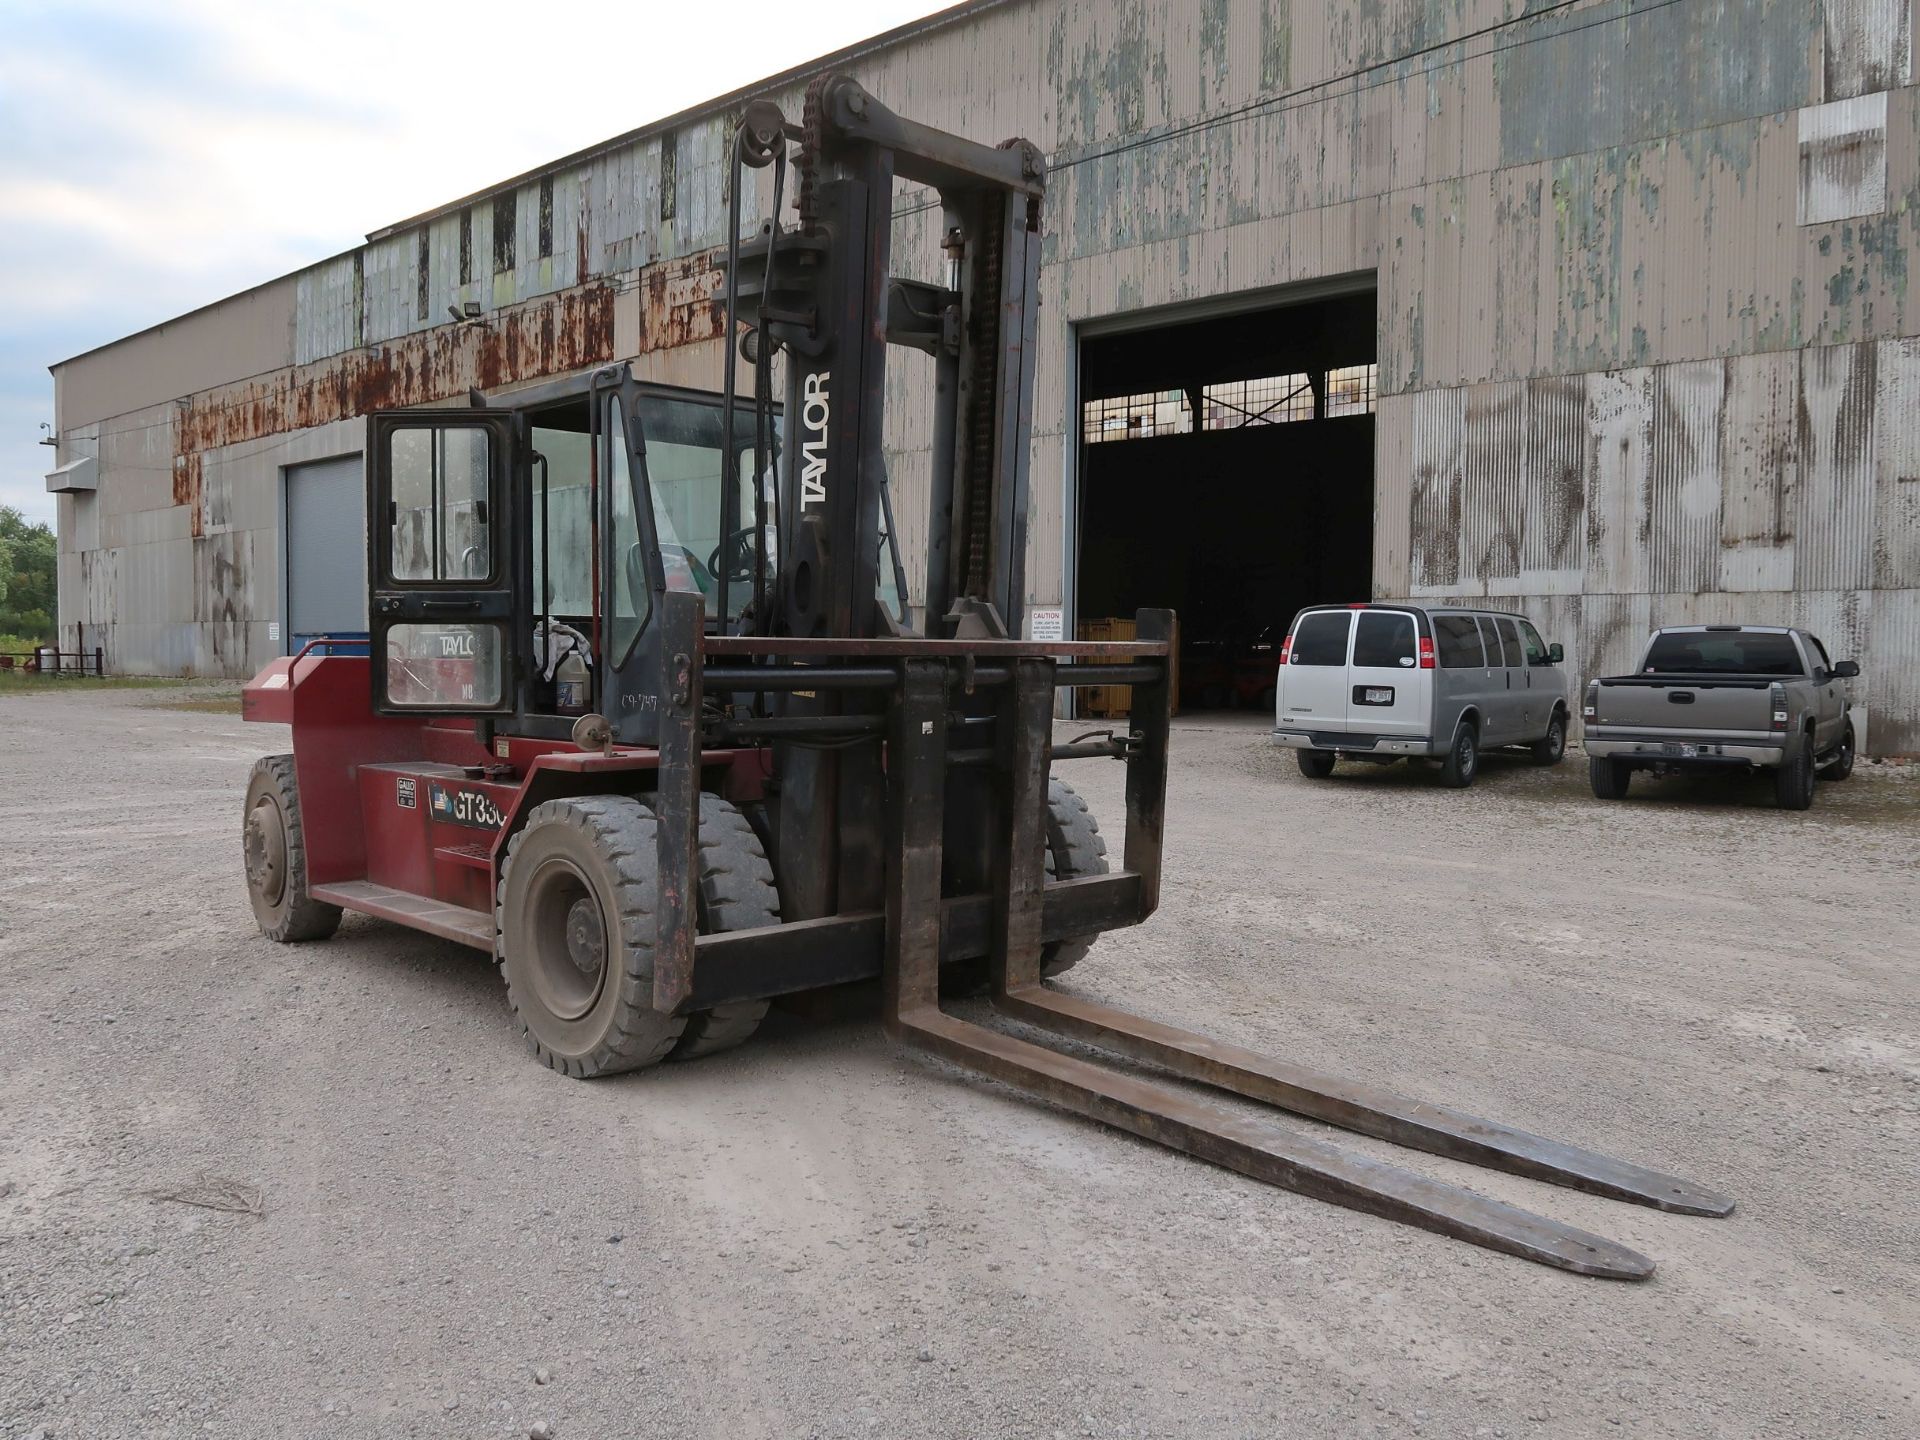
1313	682
1387	690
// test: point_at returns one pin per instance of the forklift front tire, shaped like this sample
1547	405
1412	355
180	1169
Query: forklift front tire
574	929
737	892
274	847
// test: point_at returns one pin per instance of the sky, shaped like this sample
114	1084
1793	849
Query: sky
156	155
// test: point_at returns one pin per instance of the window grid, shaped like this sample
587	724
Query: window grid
1351	389
1136	417
1232	405
1269	400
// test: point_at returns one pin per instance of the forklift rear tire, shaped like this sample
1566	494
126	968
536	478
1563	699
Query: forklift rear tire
274	847
737	892
574	928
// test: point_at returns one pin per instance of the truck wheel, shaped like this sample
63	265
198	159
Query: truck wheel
1551	748
1315	764
1609	777
574	929
1075	847
1463	760
1793	780
274	848
1841	765
736	893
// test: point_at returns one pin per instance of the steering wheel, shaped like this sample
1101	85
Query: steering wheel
739	548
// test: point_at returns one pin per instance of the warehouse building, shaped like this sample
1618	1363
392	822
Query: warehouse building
1603	309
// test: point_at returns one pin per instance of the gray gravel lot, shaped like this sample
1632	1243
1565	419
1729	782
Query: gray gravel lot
820	1236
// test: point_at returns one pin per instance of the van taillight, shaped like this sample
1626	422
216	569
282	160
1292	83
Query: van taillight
1426	653
1286	649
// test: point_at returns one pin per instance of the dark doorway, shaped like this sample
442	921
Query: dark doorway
1226	470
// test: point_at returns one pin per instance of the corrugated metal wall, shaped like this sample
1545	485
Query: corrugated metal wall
1646	323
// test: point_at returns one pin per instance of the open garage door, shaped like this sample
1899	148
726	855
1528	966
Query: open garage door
1226	470
326	550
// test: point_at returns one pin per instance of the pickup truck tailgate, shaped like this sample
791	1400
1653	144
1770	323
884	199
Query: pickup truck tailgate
1719	708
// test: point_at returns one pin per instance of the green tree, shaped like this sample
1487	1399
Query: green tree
26	577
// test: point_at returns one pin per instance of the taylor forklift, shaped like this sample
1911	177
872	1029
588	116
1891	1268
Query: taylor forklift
784	780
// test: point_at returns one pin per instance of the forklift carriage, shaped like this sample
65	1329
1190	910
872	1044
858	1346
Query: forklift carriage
645	714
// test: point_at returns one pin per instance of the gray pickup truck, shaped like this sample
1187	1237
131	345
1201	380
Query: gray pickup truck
1720	697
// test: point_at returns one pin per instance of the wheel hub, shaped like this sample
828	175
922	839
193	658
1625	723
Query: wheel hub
586	936
567	938
265	845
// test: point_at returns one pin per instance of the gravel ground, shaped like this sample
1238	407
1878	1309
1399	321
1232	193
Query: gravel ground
818	1235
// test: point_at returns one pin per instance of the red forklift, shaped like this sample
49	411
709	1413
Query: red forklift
645	716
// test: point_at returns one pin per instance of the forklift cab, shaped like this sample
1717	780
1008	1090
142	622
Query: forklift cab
508	534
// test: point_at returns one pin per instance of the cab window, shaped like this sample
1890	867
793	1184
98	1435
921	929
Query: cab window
438	504
630	599
1535	647
689	461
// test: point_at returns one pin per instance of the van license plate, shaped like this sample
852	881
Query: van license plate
1379	697
1685	752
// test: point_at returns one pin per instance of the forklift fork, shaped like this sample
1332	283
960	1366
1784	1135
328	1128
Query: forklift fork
917	759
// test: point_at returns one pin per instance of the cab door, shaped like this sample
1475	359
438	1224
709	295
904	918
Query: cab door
439	548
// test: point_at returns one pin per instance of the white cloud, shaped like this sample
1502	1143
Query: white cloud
152	162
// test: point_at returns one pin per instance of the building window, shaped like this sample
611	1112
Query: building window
1136	417
506	219
1350	389
466	246
1269	400
423	256
546	217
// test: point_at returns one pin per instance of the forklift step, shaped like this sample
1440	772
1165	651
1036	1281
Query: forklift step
436	917
478	856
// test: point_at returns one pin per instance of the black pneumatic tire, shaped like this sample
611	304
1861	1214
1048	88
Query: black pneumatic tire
273	847
1551	748
1609	777
1315	764
575	862
1075	847
1793	780
737	892
1463	759
1841	765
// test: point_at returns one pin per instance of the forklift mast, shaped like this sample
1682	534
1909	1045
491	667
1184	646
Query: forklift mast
826	297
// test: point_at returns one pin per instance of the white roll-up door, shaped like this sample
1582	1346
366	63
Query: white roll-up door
326	549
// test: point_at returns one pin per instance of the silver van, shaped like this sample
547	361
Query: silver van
1388	682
